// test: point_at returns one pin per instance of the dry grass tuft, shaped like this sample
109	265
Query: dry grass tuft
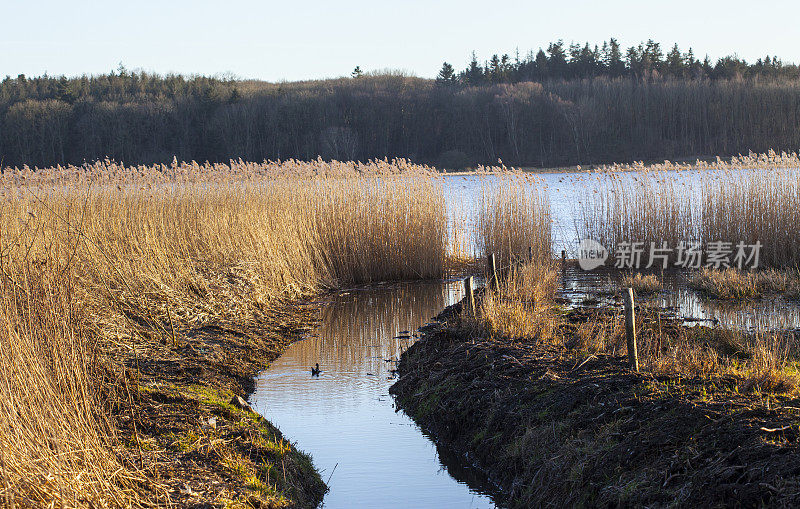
642	284
524	306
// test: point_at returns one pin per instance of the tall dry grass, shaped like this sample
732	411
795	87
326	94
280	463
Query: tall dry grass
754	205
750	199
648	206
523	308
513	219
56	444
97	259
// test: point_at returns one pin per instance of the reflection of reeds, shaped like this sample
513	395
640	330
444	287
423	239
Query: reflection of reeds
93	272
366	323
514	219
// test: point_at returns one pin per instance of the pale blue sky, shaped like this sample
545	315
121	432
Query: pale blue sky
315	38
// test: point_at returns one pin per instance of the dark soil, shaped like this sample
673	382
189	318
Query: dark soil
554	428
194	446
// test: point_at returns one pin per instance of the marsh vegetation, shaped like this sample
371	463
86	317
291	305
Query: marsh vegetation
108	268
124	285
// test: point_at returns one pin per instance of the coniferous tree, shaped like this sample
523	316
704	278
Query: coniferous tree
675	62
541	65
616	66
474	73
447	75
557	61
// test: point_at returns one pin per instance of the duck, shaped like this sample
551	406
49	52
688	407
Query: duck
316	371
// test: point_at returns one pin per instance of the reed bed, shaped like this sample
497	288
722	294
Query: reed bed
770	160
647	207
748	200
94	271
514	221
752	205
56	443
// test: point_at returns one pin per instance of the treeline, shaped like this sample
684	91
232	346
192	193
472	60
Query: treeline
142	118
647	60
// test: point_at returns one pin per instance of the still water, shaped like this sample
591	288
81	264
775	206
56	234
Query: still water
374	454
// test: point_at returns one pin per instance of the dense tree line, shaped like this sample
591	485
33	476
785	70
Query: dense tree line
611	60
144	118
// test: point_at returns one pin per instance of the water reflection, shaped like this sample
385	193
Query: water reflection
346	419
765	314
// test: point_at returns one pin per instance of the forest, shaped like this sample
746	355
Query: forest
560	106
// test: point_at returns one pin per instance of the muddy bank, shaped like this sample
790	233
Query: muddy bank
552	428
193	442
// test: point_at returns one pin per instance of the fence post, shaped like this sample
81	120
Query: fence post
491	267
630	330
469	297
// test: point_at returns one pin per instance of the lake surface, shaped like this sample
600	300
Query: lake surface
375	455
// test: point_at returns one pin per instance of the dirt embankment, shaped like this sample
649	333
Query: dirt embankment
555	429
193	442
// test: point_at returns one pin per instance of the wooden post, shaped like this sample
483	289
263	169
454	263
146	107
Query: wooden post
530	254
491	267
630	330
469	297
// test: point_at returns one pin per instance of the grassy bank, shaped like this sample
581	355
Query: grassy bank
543	401
137	301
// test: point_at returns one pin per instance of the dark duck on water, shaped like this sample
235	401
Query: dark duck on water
316	371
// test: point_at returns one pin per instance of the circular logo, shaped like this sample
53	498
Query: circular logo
591	254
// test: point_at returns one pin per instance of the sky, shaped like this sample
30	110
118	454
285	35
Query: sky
310	39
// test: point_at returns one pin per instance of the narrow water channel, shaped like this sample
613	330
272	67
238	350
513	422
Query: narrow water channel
374	455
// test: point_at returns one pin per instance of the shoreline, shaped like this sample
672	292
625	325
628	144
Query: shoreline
197	443
554	427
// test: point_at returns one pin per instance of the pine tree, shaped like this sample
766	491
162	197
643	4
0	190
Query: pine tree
493	69
447	75
616	66
653	56
674	62
557	62
541	65
357	72
474	73
64	91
